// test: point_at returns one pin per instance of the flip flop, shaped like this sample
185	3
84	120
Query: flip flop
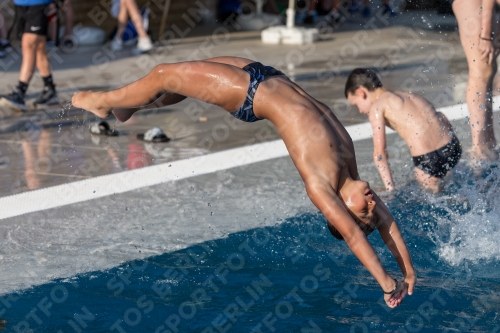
102	128
154	135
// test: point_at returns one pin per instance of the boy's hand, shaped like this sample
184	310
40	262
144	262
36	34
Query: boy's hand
395	299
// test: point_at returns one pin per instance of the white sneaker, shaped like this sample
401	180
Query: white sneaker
144	44
116	45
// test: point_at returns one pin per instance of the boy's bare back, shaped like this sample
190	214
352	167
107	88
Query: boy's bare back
414	118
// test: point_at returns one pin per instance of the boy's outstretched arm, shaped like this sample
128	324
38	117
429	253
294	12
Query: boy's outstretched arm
326	200
380	156
392	237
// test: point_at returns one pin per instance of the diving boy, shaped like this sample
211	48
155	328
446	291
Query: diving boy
428	133
318	144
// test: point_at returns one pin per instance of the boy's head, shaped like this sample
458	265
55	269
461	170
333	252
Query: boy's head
359	200
360	83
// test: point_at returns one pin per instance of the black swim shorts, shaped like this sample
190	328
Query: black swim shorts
258	73
440	161
32	19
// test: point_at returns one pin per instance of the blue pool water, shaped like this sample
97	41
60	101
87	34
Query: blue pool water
294	277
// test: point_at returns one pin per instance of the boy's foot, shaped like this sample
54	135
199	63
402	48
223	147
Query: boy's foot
144	44
14	100
388	10
367	12
116	45
47	97
87	100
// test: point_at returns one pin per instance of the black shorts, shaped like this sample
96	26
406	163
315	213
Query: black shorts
32	19
440	161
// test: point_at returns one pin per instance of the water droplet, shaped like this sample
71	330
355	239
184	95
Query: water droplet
126	208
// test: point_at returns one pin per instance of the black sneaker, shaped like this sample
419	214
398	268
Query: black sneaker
388	10
5	47
47	97
309	19
68	44
14	100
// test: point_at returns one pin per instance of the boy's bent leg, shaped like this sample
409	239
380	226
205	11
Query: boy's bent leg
165	99
218	84
427	182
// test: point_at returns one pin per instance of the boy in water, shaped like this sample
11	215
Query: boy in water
318	144
428	134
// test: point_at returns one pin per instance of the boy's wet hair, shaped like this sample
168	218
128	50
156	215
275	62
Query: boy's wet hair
362	77
335	233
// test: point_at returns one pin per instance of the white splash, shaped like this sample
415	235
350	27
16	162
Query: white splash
474	235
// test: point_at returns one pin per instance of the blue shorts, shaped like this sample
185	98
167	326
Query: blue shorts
258	73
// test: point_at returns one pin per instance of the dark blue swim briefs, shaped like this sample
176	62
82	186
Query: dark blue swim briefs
258	73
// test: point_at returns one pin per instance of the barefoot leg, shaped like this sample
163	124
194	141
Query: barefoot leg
165	99
214	83
468	13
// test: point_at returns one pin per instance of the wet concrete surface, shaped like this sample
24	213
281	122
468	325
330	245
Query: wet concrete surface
51	146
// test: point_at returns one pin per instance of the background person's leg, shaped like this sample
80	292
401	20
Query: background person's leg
4	42
135	17
144	43
478	96
117	43
15	99
311	12
122	20
52	28
29	44
48	95
69	19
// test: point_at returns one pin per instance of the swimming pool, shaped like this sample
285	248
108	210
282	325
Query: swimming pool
288	277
